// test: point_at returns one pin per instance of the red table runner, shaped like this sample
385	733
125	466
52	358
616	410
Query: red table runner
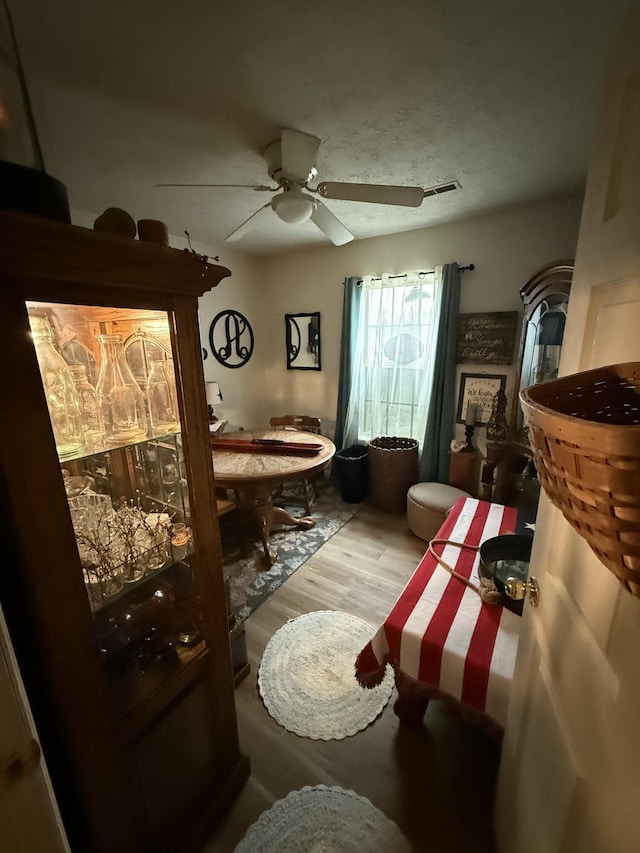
440	633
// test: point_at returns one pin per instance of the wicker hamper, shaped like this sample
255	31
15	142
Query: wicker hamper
585	436
393	469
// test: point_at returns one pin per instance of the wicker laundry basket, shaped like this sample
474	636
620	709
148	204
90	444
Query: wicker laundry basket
585	436
393	469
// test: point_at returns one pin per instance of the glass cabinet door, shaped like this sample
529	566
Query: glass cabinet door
110	383
544	333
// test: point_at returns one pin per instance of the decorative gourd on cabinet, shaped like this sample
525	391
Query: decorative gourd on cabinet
112	581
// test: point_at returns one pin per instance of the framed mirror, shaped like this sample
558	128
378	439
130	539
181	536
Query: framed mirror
303	341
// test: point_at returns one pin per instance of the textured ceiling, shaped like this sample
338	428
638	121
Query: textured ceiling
498	95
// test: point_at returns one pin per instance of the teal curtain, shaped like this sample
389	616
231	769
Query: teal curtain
434	465
350	312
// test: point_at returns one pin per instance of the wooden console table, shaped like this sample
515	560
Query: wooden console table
464	470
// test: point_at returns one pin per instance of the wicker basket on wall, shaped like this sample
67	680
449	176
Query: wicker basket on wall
393	469
585	436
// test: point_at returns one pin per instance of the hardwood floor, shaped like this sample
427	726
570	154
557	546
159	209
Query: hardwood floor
436	783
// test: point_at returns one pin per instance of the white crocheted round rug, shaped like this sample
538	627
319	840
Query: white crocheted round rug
307	676
321	819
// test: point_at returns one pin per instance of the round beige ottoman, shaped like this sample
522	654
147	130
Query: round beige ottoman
428	505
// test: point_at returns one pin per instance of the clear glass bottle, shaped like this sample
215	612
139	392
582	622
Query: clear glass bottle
120	397
90	409
161	396
60	391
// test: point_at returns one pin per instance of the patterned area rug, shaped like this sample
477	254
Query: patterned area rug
307	679
322	819
249	585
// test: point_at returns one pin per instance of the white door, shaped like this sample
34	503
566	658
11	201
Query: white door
29	819
570	774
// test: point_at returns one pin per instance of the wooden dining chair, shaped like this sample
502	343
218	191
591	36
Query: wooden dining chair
306	423
302	422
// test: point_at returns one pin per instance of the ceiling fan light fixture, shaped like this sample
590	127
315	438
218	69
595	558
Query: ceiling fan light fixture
293	206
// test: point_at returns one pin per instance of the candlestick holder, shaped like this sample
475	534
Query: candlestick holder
469	429
470	424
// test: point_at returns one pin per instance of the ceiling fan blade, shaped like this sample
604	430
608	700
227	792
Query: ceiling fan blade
375	193
298	152
247	225
258	188
330	225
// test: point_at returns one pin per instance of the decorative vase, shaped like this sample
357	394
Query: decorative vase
92	515
121	399
60	391
161	397
90	409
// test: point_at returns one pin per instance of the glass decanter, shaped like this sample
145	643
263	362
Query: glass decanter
121	399
60	391
90	409
161	396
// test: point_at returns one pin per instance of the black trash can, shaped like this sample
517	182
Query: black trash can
351	472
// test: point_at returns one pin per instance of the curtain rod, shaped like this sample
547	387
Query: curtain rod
422	274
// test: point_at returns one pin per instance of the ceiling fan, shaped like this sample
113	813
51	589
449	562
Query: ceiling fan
291	164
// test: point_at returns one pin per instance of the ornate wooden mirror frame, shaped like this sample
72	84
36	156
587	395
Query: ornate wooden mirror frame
551	285
546	290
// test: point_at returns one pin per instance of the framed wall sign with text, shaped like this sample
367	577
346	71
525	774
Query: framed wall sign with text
487	338
478	389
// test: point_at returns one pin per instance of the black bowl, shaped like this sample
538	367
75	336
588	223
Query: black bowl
505	557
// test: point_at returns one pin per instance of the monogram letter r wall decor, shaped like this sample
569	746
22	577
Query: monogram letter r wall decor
231	338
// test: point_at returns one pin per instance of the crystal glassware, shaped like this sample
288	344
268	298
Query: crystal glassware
157	525
129	542
121	399
89	510
60	391
90	409
181	540
161	396
91	516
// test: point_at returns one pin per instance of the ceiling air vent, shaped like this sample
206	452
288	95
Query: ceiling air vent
442	188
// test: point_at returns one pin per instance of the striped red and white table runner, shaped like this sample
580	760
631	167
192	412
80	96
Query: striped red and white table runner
440	632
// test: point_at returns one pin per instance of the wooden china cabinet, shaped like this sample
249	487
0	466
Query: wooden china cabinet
111	578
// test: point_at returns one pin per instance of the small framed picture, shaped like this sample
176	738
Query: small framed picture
478	389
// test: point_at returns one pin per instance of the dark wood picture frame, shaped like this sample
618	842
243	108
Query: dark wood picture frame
479	389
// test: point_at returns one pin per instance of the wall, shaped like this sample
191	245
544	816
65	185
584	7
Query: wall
506	248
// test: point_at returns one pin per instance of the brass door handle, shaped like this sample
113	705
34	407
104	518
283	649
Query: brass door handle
17	765
517	590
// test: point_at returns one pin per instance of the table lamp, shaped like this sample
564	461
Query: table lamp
214	396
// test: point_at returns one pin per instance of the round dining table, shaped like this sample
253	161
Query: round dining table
255	470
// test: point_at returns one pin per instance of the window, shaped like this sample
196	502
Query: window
393	365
